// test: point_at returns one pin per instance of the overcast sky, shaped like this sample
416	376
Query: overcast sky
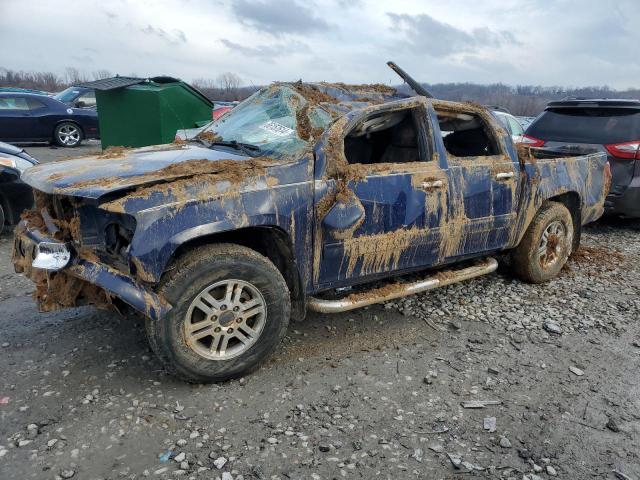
548	42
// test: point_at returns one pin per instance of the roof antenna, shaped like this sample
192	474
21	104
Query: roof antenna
419	89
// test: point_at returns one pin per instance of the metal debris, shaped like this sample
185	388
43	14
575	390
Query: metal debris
489	424
480	403
576	371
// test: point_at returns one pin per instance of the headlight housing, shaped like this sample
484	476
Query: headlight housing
16	163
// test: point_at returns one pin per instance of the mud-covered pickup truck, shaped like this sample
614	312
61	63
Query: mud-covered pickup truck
304	196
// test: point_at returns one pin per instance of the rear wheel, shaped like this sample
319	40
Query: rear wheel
2	218
231	308
67	134
546	245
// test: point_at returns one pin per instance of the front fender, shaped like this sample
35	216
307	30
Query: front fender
160	232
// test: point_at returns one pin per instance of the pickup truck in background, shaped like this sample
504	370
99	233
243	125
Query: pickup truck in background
301	189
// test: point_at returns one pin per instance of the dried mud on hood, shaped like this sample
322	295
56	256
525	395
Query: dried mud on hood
196	179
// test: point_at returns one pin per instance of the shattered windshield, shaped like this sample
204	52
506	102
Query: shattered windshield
276	120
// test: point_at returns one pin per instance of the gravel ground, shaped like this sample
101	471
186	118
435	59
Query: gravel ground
375	393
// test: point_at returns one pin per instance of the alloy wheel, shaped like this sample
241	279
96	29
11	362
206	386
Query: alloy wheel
69	135
225	319
552	243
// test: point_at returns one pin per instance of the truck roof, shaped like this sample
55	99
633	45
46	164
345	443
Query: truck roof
346	93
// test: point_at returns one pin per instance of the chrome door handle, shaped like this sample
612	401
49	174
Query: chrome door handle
434	184
504	175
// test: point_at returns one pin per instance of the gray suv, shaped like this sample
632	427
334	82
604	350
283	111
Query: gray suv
607	125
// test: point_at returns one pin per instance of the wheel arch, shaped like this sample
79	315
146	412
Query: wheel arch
271	242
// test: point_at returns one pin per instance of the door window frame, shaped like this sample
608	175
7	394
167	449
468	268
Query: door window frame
496	131
331	148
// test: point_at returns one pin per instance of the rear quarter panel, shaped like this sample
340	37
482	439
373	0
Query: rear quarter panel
544	179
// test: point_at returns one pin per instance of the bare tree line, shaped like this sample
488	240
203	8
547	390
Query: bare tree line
520	100
225	87
526	100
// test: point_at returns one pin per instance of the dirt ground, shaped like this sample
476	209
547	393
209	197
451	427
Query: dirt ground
374	393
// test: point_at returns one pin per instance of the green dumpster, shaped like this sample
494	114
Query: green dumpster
135	112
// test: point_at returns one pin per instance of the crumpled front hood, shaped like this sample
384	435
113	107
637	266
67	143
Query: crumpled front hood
95	176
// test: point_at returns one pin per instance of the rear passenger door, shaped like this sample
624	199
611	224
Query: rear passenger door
483	179
380	198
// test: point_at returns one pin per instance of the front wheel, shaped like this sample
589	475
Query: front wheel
67	134
546	245
231	308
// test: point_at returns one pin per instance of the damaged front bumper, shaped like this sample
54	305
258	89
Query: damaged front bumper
39	257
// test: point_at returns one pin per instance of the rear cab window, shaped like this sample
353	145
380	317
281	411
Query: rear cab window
587	125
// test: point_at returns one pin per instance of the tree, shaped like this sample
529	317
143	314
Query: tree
100	74
73	76
229	82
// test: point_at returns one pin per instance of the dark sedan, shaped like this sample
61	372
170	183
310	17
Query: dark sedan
28	117
15	196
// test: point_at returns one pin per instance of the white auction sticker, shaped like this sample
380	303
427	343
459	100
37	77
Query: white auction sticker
277	128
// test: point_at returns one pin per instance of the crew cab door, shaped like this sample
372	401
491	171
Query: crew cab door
484	176
380	195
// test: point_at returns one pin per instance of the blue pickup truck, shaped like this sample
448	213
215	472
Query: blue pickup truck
305	196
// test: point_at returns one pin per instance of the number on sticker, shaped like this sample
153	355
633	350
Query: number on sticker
277	128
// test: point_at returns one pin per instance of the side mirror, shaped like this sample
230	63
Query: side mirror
80	104
344	217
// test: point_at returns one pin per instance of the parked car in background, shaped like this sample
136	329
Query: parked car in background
509	122
15	196
220	108
218	112
525	121
27	117
607	125
78	97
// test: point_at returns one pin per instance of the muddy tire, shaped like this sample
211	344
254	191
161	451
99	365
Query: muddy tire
2	218
546	245
231	308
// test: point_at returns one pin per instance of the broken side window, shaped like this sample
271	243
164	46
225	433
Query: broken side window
466	134
388	137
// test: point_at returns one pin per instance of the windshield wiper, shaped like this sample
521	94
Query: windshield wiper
246	148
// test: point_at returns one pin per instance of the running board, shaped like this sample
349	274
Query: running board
398	290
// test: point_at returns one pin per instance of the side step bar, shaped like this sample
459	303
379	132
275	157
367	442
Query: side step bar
393	291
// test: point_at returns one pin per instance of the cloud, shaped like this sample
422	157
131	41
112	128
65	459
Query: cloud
82	59
278	18
423	33
509	41
266	53
175	37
